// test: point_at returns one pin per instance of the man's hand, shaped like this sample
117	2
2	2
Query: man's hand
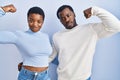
20	66
9	8
87	13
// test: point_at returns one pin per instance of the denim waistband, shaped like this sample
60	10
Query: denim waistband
23	70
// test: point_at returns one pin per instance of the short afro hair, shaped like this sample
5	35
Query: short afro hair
62	8
36	10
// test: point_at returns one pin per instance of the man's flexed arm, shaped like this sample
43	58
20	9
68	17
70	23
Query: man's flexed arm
109	24
108	20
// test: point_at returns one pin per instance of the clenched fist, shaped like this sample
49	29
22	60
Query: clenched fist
9	8
87	13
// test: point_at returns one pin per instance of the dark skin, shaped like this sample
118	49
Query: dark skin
9	8
35	22
67	17
20	66
87	13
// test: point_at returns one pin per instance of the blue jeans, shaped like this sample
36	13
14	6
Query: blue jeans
89	78
29	75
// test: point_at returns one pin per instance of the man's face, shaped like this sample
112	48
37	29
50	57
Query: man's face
67	18
35	22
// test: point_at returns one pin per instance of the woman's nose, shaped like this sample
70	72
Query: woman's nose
35	24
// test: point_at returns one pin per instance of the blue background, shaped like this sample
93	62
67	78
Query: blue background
106	64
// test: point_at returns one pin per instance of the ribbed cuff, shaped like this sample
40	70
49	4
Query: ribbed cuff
2	12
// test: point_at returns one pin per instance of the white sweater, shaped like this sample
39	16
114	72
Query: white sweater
76	47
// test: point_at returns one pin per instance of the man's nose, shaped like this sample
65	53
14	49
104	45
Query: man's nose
66	19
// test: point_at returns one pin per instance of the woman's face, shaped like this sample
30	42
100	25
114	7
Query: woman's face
35	22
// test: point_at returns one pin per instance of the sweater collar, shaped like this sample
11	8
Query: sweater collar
71	29
31	32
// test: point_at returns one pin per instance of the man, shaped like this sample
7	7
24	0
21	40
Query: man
75	44
7	8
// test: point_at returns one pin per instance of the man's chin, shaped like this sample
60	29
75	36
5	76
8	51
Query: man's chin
69	27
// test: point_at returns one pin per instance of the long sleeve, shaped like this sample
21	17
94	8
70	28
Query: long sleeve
109	25
53	55
7	37
1	12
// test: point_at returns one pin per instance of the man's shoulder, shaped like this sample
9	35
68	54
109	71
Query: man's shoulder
57	33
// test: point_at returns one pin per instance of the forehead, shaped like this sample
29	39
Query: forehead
36	16
65	12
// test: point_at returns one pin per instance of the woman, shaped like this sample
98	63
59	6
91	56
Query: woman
33	45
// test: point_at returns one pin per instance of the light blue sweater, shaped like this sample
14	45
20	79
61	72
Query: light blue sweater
1	12
34	47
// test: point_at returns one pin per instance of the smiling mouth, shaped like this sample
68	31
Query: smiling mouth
35	27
